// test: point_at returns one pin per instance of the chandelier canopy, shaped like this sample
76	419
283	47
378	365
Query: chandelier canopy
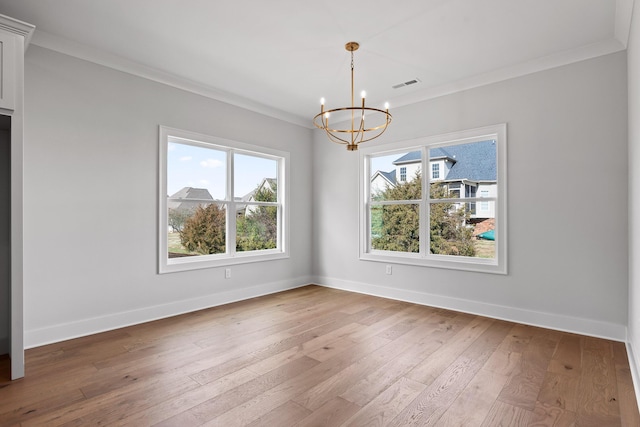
378	119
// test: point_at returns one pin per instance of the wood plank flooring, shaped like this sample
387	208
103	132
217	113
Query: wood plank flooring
321	357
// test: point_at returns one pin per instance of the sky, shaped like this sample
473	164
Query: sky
199	167
385	163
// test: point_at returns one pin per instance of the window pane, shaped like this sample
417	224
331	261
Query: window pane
257	227
396	176
463	169
196	172
447	190
196	229
454	231
395	228
255	178
484	225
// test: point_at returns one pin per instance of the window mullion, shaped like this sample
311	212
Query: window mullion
280	191
231	205
425	207
395	202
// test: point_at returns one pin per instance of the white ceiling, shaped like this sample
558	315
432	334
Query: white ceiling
279	57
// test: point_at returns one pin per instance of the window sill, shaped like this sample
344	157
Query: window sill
213	261
478	265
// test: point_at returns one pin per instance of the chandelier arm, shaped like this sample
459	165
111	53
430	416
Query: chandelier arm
337	139
330	135
359	134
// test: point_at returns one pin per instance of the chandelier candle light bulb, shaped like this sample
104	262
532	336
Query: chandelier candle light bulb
358	133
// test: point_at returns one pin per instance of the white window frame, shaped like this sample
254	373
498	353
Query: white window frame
403	174
497	265
231	256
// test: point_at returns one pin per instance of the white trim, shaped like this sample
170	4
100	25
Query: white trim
17	220
635	374
557	322
89	326
84	52
497	265
81	51
20	28
518	70
231	257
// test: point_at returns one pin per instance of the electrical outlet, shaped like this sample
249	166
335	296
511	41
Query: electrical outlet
389	271
227	273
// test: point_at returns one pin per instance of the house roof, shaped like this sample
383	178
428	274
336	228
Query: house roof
410	157
473	161
390	176
270	183
190	198
192	193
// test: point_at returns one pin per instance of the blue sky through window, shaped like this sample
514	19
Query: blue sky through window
199	167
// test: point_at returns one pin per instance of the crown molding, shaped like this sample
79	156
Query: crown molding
17	27
84	52
518	70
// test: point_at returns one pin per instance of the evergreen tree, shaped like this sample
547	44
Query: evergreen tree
396	227
205	231
258	227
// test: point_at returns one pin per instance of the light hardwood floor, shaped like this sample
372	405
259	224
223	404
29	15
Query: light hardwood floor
322	357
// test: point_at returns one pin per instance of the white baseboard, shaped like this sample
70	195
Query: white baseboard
89	326
635	374
84	327
558	322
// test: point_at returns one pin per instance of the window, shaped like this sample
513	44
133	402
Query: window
484	205
435	171
221	202
403	174
429	220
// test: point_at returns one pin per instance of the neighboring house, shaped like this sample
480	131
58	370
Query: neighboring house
468	170
189	198
380	181
183	204
268	184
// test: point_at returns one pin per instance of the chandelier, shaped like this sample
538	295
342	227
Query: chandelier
378	119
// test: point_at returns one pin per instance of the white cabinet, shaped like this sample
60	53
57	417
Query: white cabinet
8	66
14	39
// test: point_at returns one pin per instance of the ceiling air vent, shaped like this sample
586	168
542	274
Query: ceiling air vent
407	83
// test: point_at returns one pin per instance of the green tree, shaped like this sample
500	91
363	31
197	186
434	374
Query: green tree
258	227
450	234
205	231
396	227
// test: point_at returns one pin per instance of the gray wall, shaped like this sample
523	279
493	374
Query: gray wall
5	240
567	202
90	203
91	154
